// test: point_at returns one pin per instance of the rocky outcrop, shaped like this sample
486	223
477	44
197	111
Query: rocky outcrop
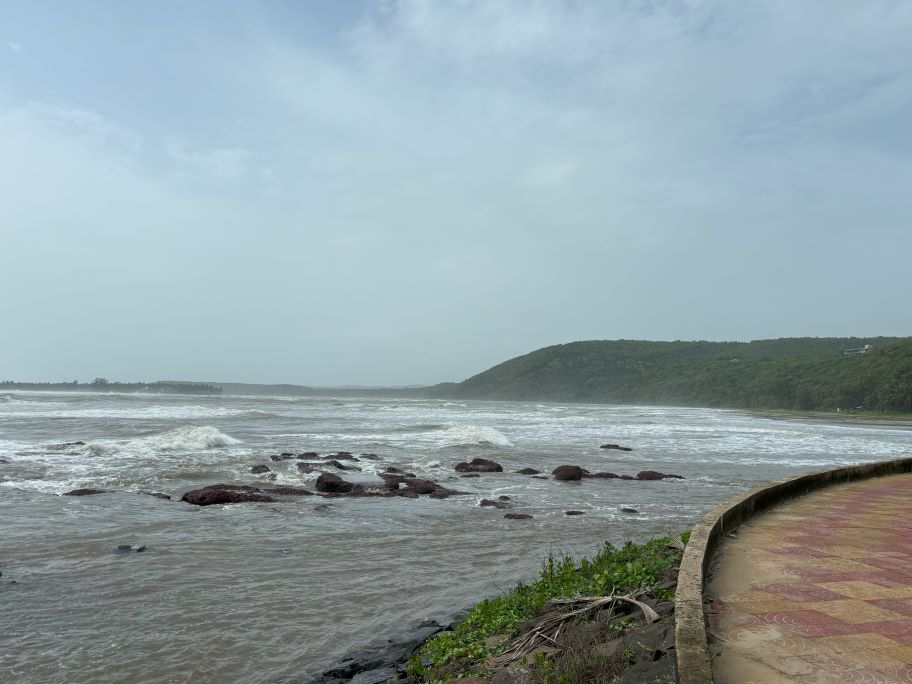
225	494
655	475
306	468
574	513
340	466
617	447
288	491
518	516
85	492
603	476
333	484
568	473
488	503
479	465
528	471
629	510
258	469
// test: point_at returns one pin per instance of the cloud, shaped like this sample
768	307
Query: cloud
86	124
224	163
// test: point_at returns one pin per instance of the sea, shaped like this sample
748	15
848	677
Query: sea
277	592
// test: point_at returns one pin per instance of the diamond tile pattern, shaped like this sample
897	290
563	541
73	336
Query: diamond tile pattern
818	589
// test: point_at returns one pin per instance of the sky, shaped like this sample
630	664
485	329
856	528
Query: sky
394	192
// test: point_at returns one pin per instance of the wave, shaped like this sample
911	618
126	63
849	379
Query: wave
188	438
454	434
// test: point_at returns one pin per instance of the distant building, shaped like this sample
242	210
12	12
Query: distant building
858	350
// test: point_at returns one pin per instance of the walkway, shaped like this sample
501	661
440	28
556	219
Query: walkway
818	589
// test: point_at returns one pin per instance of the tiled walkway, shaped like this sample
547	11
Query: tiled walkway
818	589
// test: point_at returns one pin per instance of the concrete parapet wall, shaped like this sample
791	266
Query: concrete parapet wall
691	645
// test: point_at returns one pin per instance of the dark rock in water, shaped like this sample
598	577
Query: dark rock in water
323	508
225	494
366	663
540	477
333	484
487	503
342	456
629	510
470	475
518	516
285	456
568	472
442	493
307	454
159	495
422	486
257	469
370	457
3	460
479	465
64	445
655	475
86	492
626	477
306	468
615	446
528	471
288	491
126	548
503	497
394	471
574	512
338	465
606	476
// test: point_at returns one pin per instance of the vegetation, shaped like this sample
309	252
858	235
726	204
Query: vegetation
104	385
633	568
790	373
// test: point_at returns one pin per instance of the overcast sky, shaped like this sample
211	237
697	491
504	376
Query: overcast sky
387	192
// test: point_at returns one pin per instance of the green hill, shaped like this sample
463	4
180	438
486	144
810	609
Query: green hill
808	373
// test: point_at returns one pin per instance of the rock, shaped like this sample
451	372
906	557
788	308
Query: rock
494	641
160	495
257	469
3	460
615	446
396	651
655	475
342	456
225	494
442	493
323	508
629	510
574	513
626	477
394	471
338	465
568	472
468	680
306	468
85	492
518	516
333	484
528	471
503	497
307	455
487	503
479	465
470	475
126	548
606	476
540	477
289	491
285	456
370	457
513	675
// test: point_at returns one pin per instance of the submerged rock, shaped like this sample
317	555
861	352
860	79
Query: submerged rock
470	475
307	454
629	510
257	469
126	548
655	475
284	456
568	472
322	508
487	503
370	457
340	466
574	513
159	495
289	491
342	456
479	465
618	447
306	468
528	471
225	494
605	476
85	492
518	516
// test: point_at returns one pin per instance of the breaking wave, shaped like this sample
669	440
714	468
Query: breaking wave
454	434
188	438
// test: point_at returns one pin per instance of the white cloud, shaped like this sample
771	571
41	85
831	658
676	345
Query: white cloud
226	162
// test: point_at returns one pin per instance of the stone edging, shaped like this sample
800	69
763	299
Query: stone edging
690	623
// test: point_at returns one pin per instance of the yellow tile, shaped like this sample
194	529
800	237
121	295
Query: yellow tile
853	611
866	591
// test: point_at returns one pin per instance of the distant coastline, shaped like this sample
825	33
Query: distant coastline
102	385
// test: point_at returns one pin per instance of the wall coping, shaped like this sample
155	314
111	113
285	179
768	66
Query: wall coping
691	646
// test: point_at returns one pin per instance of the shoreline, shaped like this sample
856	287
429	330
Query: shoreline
894	420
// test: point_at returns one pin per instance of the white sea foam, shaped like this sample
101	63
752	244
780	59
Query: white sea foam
455	434
188	438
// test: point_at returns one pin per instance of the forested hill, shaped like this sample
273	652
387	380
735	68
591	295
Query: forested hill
811	373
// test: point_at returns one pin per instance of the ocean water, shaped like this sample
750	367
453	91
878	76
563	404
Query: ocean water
277	592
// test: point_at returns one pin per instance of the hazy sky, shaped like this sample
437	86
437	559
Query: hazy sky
409	192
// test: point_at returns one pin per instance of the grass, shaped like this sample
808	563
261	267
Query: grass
630	568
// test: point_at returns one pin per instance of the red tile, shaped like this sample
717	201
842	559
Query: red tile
801	551
800	593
